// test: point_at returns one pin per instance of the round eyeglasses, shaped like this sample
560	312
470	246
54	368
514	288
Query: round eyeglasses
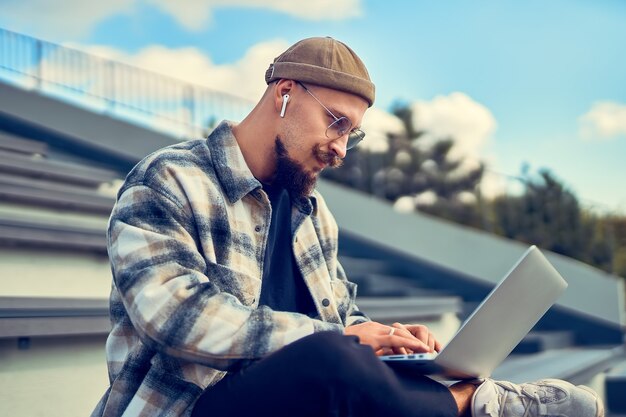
340	126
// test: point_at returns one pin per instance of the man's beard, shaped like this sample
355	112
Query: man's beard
292	176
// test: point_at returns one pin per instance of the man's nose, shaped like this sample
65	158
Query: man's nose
339	146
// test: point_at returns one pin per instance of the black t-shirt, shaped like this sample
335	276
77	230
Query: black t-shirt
283	288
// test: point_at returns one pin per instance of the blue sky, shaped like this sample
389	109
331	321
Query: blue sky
528	72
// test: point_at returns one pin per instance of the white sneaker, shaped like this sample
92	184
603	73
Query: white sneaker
547	397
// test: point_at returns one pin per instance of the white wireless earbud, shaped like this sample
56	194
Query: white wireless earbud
285	100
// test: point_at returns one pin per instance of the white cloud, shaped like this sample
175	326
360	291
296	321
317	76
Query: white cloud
243	78
458	116
53	19
163	103
76	18
377	123
493	184
605	120
470	124
195	14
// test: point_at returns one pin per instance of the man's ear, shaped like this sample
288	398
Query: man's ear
283	88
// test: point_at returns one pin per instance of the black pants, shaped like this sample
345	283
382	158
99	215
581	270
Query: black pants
325	374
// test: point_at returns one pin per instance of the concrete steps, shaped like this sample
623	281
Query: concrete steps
25	317
540	341
63	172
407	309
12	143
45	193
574	364
48	203
42	232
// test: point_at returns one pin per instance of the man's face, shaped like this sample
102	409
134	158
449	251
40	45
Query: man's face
302	147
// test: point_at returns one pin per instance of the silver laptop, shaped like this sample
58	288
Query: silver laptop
497	325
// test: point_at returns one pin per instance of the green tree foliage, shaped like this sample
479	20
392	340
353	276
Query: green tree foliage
547	214
609	247
408	170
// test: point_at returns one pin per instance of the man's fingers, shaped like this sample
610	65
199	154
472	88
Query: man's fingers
422	333
408	333
384	351
438	346
401	330
401	351
431	342
399	341
398	338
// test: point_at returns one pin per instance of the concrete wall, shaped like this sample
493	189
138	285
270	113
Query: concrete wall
52	377
30	273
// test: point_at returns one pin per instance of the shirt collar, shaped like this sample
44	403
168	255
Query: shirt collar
229	163
233	172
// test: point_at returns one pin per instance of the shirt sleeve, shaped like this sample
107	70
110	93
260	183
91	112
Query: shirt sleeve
170	294
354	315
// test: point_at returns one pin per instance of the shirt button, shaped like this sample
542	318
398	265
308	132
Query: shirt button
325	302
257	229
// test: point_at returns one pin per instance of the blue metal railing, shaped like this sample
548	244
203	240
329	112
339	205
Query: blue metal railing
120	90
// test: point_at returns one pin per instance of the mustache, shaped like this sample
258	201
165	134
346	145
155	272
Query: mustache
329	158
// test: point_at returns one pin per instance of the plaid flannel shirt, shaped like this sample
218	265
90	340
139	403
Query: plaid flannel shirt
186	240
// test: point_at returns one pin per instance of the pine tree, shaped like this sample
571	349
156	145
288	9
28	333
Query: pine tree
450	188
427	177
547	214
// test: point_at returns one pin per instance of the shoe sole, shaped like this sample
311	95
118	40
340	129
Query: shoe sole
599	403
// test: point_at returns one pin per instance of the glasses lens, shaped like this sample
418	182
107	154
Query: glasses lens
354	138
338	128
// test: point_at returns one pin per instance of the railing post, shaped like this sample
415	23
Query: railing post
110	85
191	108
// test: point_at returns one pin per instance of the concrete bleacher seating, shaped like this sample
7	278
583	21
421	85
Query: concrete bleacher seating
540	341
47	193
64	172
577	365
54	309
50	198
408	309
12	143
19	230
25	317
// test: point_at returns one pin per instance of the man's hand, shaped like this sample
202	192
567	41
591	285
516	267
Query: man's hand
422	333
395	339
